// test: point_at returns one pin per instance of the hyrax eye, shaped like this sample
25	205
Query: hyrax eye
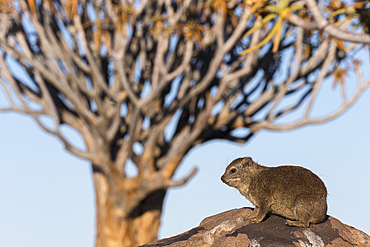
232	170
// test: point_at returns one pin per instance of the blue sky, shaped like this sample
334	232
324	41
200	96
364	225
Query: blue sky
48	198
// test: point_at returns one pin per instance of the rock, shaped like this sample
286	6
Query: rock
229	229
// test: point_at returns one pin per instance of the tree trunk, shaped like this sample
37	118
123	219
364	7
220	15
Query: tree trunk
116	228
144	221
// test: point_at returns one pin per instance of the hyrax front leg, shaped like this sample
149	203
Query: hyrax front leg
260	212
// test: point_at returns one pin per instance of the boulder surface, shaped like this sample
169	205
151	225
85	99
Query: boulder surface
229	229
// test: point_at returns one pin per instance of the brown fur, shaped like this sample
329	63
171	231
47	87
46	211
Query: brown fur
290	191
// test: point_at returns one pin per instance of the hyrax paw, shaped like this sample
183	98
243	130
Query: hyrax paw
255	220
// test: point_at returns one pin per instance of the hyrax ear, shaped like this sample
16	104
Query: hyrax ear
248	162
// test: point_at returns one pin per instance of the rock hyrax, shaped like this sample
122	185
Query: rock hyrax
289	191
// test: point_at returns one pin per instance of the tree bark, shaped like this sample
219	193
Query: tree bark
144	221
117	228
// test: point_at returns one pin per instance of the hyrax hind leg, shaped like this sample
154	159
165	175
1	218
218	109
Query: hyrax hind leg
303	219
297	223
302	214
308	211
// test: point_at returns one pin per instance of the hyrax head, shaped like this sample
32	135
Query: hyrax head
237	170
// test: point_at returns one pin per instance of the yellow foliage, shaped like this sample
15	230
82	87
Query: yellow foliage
191	30
125	14
71	7
31	4
7	6
220	7
339	75
158	25
279	11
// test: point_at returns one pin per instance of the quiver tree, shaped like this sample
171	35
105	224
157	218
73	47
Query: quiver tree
145	81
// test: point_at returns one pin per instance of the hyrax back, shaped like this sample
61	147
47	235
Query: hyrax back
290	191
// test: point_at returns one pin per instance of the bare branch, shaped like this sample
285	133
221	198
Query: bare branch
320	78
180	69
333	31
171	183
305	121
118	56
298	21
162	46
284	87
248	60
